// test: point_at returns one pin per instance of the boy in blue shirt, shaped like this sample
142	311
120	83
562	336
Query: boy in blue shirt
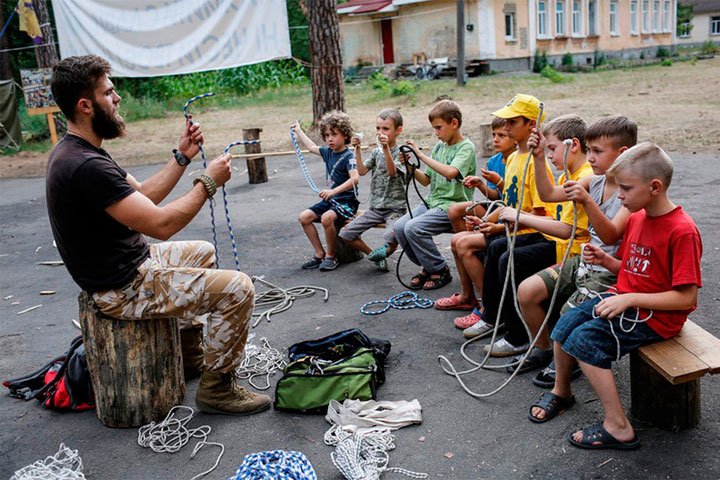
341	176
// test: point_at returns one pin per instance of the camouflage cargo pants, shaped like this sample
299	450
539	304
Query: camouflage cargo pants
179	280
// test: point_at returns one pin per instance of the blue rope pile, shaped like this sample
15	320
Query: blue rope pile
401	301
275	465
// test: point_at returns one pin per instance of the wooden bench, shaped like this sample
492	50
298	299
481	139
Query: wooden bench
665	377
135	366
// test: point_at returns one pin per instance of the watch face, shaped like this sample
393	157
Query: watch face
181	159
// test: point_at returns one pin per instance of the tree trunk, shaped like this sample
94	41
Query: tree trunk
46	55
326	73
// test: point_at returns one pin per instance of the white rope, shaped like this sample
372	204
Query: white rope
66	464
172	434
364	456
260	360
280	299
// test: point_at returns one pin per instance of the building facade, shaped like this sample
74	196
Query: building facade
705	24
506	33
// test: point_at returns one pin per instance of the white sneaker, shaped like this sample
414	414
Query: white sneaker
503	348
478	329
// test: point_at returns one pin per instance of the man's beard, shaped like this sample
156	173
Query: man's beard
105	125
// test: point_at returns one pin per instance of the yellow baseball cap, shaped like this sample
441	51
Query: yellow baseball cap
521	105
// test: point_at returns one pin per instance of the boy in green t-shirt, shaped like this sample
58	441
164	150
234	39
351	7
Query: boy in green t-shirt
452	159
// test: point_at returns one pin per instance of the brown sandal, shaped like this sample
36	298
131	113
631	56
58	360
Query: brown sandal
418	281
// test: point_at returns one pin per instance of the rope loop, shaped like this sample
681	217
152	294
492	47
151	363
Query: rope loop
276	465
402	301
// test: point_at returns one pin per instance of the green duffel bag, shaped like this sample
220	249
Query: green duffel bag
309	384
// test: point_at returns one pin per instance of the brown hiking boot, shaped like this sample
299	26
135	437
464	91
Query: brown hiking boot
192	351
218	394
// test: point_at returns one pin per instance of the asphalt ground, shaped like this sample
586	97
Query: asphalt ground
460	437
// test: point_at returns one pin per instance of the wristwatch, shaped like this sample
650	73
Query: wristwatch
181	158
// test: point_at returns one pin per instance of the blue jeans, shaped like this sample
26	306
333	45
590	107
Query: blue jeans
590	339
416	234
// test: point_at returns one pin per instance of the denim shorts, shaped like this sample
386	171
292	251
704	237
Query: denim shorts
323	206
590	340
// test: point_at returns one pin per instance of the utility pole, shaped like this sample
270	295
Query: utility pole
460	43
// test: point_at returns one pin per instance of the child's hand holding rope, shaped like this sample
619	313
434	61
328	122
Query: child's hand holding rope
355	141
576	192
614	305
536	143
592	254
471	181
327	194
490	176
472	222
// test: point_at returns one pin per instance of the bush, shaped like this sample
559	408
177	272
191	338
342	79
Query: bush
378	81
599	58
567	59
553	75
709	48
662	52
666	63
693	61
642	55
540	61
402	87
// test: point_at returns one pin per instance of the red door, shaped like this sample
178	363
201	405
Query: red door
387	42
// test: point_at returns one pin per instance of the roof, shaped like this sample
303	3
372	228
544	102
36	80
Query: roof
369	7
703	6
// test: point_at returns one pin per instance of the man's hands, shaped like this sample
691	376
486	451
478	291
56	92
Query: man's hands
219	169
536	143
576	192
190	138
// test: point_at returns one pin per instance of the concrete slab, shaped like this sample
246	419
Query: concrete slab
489	438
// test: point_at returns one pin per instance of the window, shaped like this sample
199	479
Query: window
613	18
559	18
656	16
714	25
666	17
542	19
576	18
592	18
684	30
509	26
633	17
645	16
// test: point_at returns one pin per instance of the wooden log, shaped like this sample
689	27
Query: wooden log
344	252
486	141
659	402
135	366
257	171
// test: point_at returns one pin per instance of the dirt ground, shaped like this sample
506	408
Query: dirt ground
674	107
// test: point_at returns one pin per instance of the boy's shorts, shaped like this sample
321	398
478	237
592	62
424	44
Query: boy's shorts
323	206
368	220
590	339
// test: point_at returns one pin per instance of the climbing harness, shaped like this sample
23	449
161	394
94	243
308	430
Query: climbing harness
66	464
364	456
260	360
401	301
172	434
343	210
275	465
280	299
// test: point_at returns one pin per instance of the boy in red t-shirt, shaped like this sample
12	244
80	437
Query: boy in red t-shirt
658	280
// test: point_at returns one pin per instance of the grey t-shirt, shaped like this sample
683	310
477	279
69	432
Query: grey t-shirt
386	192
610	208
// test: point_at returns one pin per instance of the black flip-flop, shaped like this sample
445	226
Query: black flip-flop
443	279
597	433
553	406
546	377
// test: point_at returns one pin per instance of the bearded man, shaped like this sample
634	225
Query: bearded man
99	215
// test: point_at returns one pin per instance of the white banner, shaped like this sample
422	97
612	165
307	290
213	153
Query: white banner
145	38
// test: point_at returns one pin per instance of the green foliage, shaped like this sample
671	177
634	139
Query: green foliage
709	48
402	87
378	81
553	75
684	16
540	61
567	59
667	63
599	58
693	61
662	52
297	21
642	55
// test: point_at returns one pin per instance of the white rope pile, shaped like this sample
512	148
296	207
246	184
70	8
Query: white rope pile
280	299
260	360
66	464
364	456
172	434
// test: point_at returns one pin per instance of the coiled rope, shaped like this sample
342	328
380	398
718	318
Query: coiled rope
172	434
364	456
280	299
401	301
66	464
275	465
343	210
260	360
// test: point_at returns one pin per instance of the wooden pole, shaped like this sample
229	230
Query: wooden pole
53	130
257	172
460	43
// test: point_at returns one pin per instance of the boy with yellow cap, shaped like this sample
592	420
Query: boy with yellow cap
533	250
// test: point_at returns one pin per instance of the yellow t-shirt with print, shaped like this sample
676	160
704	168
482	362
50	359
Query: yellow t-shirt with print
513	181
563	212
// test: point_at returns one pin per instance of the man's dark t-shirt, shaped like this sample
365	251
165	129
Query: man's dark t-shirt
82	181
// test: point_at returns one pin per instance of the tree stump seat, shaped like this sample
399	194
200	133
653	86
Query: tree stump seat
135	366
665	377
344	252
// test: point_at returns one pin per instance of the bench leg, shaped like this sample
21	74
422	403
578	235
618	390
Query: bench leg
660	403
